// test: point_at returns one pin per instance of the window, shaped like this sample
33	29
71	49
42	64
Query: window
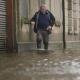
69	4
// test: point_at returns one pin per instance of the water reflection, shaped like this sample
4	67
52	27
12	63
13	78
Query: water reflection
33	66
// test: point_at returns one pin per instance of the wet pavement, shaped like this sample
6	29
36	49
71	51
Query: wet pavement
33	65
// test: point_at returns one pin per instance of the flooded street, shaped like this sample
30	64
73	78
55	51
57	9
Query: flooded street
57	65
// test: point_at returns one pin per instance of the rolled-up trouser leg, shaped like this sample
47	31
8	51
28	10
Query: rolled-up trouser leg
39	39
45	36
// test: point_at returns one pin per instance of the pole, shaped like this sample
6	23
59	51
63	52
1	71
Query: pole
63	11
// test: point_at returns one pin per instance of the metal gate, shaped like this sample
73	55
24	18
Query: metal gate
3	25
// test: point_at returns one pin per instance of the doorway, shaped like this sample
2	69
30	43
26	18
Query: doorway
26	38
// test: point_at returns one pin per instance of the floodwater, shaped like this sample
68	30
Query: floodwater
33	65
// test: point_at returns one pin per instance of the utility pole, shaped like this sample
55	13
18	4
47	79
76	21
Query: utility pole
63	11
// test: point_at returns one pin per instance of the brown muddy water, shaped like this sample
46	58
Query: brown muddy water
33	65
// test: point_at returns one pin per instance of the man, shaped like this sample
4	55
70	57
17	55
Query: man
43	21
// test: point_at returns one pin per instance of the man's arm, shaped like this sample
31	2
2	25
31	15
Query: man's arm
33	19
52	19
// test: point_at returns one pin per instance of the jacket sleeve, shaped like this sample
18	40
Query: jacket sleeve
34	18
52	19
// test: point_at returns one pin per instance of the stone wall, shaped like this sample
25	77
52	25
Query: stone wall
72	16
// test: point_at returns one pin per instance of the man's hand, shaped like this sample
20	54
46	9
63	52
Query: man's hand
49	28
32	23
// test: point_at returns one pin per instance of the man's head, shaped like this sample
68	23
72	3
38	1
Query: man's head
43	8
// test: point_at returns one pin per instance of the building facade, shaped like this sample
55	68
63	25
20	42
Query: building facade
72	10
72	21
15	17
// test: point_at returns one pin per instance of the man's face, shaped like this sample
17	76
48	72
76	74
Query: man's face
43	8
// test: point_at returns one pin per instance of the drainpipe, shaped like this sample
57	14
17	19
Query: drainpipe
63	11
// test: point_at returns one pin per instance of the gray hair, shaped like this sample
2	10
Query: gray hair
43	5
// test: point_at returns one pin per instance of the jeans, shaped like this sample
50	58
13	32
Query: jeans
42	36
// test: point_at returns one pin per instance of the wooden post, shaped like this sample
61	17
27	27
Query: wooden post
11	37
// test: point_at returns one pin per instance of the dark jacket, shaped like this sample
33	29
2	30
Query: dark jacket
43	20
